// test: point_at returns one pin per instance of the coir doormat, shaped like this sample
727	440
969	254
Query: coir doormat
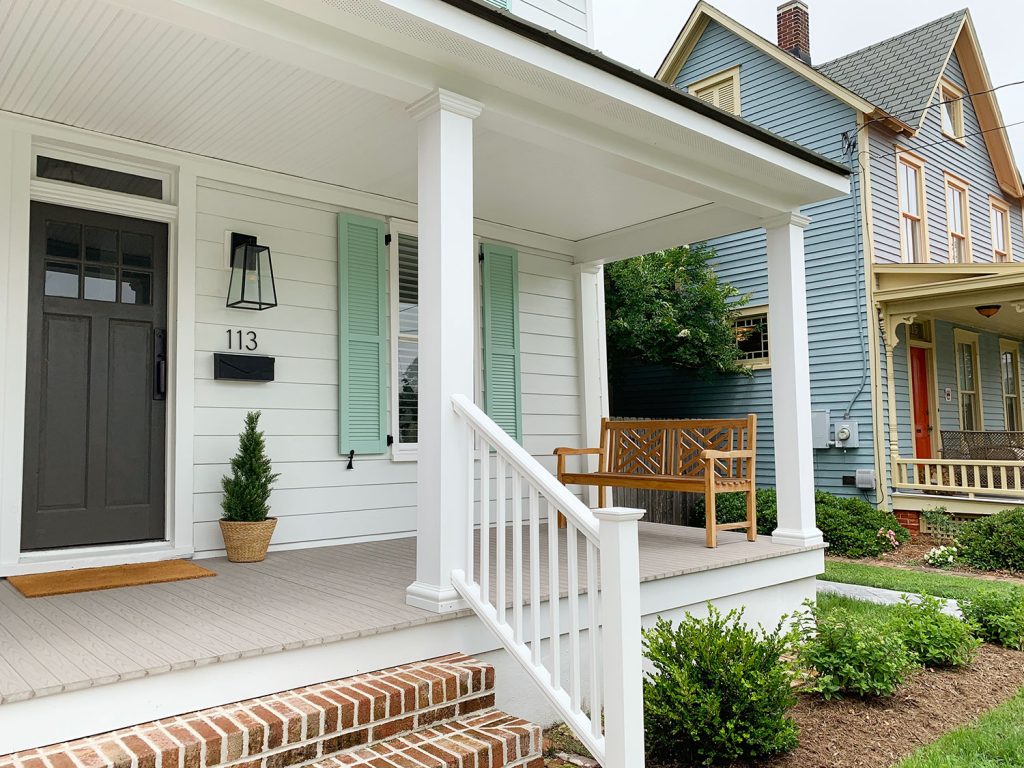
110	577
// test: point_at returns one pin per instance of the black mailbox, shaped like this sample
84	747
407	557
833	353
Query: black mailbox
243	367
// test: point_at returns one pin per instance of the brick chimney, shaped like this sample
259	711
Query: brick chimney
795	30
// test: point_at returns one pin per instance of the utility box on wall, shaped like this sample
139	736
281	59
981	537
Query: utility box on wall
821	423
846	434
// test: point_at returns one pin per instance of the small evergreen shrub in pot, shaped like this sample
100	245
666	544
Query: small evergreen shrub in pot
244	523
995	542
933	637
719	692
855	528
844	656
998	616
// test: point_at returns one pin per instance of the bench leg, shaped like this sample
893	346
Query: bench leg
710	521
602	497
751	515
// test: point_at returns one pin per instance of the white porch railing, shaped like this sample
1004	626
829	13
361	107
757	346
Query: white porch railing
592	677
961	476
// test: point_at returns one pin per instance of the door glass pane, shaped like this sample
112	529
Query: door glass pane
408	390
136	287
63	240
101	283
408	285
61	279
101	245
136	250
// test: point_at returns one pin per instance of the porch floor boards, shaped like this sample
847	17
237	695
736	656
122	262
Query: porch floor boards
294	598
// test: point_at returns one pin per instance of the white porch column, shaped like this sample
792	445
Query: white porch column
593	357
447	339
791	380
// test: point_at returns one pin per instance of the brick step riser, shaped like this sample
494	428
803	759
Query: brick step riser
287	729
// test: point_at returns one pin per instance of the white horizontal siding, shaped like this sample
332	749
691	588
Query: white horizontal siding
317	498
566	17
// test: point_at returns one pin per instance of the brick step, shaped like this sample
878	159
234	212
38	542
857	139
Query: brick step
289	728
489	740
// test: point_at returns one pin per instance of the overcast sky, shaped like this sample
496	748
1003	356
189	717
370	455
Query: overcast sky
640	32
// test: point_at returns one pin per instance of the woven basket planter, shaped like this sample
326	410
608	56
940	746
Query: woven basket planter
247	542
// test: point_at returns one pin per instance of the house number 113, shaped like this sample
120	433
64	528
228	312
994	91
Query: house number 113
239	339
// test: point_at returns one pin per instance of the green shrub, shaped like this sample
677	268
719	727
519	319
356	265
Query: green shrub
845	656
995	542
855	528
934	638
998	616
719	692
941	523
732	508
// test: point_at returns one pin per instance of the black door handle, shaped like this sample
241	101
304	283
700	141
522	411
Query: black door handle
159	364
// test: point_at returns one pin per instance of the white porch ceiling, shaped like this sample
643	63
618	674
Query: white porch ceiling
128	68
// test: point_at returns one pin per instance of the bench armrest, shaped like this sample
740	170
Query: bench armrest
710	454
561	453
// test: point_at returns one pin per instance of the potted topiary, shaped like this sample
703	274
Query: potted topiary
244	524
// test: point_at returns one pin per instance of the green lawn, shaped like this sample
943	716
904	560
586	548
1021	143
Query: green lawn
996	740
938	584
871	613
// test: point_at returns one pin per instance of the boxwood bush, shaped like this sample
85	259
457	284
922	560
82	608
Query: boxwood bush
719	692
995	542
855	528
846	656
732	508
998	616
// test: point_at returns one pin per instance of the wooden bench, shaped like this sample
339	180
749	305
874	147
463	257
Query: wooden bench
699	455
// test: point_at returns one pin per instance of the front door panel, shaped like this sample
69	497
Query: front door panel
94	415
921	394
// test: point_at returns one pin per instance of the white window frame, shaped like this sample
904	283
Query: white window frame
166	177
960	336
1000	256
951	98
757	363
955	182
1010	347
399	451
715	82
921	218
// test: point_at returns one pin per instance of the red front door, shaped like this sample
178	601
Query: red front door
922	402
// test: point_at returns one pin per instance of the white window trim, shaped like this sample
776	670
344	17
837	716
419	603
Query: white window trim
995	204
949	91
960	336
399	451
717	79
1013	347
761	363
955	182
166	176
918	163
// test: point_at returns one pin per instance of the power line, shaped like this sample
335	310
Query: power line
941	103
943	141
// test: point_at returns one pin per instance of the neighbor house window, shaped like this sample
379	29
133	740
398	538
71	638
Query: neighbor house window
952	111
999	213
722	90
968	379
751	330
912	213
1009	366
405	339
958	220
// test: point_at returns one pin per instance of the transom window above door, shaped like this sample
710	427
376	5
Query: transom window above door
98	264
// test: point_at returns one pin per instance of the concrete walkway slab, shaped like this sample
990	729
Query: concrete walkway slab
879	596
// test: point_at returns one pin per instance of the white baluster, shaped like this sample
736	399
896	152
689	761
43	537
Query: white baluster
485	520
517	556
554	590
535	575
594	634
572	571
501	598
471	501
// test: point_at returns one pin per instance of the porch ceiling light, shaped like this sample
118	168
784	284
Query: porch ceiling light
252	274
988	310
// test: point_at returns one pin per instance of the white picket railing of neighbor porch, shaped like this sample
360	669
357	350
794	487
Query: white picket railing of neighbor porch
584	649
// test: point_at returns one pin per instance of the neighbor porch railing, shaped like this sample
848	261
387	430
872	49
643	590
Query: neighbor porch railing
592	676
961	476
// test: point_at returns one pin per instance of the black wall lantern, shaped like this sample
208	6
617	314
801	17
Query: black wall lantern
252	274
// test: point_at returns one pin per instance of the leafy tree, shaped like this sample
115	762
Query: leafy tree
669	307
247	489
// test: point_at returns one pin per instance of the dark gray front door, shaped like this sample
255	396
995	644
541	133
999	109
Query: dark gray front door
94	407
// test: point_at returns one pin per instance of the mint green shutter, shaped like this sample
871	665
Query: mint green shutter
362	335
502	394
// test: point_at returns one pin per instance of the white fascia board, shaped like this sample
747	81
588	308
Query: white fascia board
311	33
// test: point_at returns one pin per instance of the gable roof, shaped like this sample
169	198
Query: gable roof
880	73
877	81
